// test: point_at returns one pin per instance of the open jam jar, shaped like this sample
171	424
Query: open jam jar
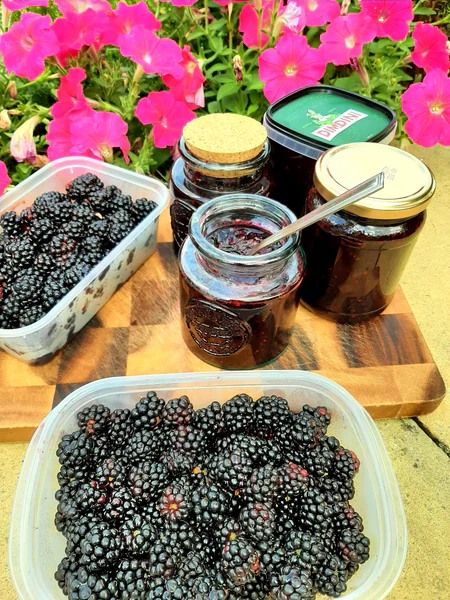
238	310
356	257
220	153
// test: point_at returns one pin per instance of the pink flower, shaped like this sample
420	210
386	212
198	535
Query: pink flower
292	64
254	26
153	54
61	141
27	44
345	37
318	12
427	106
4	178
127	17
188	87
77	30
68	7
167	115
21	4
391	18
22	146
430	50
292	16
70	94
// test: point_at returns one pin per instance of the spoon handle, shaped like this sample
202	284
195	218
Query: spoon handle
360	191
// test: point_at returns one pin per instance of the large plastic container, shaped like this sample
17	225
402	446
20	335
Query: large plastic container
35	546
40	340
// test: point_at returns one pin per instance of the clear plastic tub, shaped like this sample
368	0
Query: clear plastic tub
39	341
377	497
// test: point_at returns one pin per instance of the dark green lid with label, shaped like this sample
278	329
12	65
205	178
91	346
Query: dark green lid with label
319	117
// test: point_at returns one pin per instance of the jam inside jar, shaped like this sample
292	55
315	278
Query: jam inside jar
238	310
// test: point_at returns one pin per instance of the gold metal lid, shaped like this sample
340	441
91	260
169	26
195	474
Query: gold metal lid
225	138
408	182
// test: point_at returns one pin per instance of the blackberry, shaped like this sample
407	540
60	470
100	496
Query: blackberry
78	529
138	534
147	412
99	199
231	469
120	226
319	460
82	186
257	521
141	208
132	578
238	413
191	566
206	587
143	445
43	263
210	505
18	255
75	450
30	315
82	585
26	217
62	248
254	590
175	502
74	229
345	517
178	411
111	473
272	555
188	440
118	201
76	273
209	420
315	513
346	464
41	230
90	497
292	584
10	224
84	214
65	569
288	513
353	546
147	480
240	562
178	462
270	412
94	418
120	426
27	286
228	530
100	228
181	535
307	428
60	212
321	413
336	490
11	309
92	249
120	506
305	550
263	484
101	547
43	204
295	479
332	577
163	559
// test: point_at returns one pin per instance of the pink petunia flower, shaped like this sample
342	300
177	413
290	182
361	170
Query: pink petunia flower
188	87
22	145
68	7
255	25
292	17
167	114
126	18
21	4
61	141
4	177
155	55
430	50
70	94
427	106
289	66
27	44
345	37
391	18
318	12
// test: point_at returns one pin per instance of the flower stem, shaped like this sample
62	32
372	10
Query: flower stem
205	4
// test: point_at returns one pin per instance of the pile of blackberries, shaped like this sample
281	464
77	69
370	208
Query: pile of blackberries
241	500
50	246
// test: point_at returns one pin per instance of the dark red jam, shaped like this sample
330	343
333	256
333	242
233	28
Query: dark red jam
238	314
354	263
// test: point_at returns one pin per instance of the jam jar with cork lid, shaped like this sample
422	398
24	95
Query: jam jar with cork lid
238	310
220	153
356	257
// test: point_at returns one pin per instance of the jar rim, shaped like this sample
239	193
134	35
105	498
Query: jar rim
228	202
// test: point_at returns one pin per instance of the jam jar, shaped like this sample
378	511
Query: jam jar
356	257
237	309
220	153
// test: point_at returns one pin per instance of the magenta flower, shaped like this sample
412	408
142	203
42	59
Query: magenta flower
167	114
391	18
70	94
255	28
61	141
292	17
4	177
188	87
126	18
155	55
21	4
318	12
27	44
292	64
427	106
68	7
430	50
345	37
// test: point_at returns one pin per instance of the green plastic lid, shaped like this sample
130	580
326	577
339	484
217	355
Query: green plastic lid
316	118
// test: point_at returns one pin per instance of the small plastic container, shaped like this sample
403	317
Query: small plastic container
377	496
39	341
304	124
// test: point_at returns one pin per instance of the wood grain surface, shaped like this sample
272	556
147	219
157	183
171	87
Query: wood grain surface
385	363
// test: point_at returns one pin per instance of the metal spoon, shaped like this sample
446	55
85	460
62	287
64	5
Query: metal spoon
360	191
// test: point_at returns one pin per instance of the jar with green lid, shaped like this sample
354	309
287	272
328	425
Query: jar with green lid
221	153
356	257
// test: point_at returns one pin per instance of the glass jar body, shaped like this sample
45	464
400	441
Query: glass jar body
354	264
237	315
193	182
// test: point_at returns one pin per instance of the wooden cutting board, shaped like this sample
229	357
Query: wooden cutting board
385	363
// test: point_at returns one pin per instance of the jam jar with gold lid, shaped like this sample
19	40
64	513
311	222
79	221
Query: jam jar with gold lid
220	154
356	257
238	310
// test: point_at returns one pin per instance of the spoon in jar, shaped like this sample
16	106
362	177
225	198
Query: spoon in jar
360	191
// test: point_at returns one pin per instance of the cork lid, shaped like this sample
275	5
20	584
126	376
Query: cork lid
224	138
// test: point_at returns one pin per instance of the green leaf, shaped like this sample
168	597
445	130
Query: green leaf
216	43
227	90
423	10
216	68
214	107
352	83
